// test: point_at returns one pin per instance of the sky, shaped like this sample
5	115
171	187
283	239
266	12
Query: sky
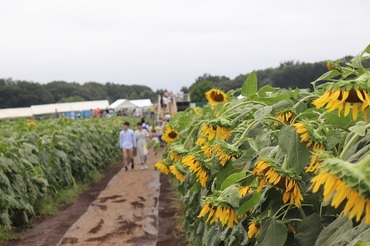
167	43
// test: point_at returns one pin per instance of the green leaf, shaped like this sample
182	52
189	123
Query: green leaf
308	230
231	195
359	128
250	85
262	113
367	50
328	75
232	179
329	234
273	232
255	198
297	154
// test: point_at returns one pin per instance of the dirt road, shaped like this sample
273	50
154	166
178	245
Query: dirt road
125	212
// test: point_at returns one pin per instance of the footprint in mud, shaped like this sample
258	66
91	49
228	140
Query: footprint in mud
137	205
120	201
102	207
69	240
97	227
105	199
141	199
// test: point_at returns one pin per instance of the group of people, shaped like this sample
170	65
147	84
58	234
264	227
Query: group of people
135	143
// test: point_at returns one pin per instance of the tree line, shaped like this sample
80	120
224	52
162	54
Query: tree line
290	74
22	93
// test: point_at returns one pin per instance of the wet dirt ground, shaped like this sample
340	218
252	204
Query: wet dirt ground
132	207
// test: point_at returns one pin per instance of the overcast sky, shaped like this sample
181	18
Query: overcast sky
169	43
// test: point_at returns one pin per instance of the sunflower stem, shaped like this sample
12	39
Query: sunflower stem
364	164
302	100
286	212
301	211
192	130
348	146
245	132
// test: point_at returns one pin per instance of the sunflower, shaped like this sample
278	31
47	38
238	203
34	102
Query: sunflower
315	161
201	141
179	176
30	122
170	134
254	229
285	117
270	172
207	150
244	190
225	214
345	182
197	111
308	135
344	96
215	132
175	157
162	167
215	96
223	156
195	167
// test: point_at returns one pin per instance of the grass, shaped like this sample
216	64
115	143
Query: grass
50	205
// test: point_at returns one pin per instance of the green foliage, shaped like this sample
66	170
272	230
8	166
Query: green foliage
258	158
44	161
197	91
24	94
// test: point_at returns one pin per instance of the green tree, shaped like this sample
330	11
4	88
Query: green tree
197	91
71	99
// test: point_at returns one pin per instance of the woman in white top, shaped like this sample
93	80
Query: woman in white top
141	134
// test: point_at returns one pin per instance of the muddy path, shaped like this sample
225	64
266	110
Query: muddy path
121	209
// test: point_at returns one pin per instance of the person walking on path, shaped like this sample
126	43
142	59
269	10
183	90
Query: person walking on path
128	145
141	134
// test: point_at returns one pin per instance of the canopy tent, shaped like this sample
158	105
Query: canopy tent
83	106
122	103
141	103
13	113
68	107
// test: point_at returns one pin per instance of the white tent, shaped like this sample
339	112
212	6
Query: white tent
141	103
13	113
68	107
122	103
83	106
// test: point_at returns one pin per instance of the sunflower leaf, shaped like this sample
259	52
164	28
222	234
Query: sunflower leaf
250	85
328	75
297	154
273	232
253	200
232	179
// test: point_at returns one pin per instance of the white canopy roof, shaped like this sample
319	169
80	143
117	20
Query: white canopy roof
68	107
12	113
122	103
142	103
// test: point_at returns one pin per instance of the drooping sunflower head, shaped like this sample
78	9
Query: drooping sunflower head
344	182
267	171
286	116
196	167
346	96
170	134
254	229
175	157
215	96
221	212
245	190
309	135
201	141
163	168
215	131
177	171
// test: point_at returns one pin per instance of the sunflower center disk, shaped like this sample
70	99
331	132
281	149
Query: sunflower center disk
218	97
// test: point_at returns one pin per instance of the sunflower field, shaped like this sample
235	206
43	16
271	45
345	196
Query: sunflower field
39	158
277	166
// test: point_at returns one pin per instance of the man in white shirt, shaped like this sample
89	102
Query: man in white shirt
127	142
